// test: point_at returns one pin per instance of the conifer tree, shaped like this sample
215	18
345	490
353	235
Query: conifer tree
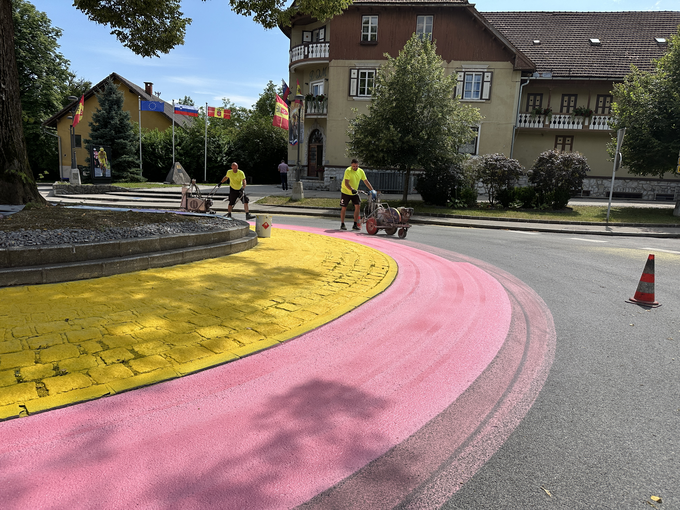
111	127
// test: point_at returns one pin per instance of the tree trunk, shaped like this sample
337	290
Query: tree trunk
407	178
17	185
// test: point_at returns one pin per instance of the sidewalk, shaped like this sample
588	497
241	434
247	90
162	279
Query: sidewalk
169	198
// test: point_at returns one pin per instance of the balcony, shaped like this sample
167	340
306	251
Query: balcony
564	121
316	107
309	52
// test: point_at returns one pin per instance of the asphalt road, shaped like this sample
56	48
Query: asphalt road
603	432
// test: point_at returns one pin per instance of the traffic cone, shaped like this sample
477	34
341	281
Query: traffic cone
644	295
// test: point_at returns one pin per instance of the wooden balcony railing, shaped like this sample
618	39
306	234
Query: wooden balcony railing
310	51
564	121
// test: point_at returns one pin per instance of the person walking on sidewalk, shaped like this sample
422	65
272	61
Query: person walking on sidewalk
349	193
237	189
283	170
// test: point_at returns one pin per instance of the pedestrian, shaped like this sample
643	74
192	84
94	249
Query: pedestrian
349	193
283	170
237	189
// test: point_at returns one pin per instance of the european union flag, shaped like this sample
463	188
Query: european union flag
152	106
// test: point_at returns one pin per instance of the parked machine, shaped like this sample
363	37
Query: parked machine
193	201
380	216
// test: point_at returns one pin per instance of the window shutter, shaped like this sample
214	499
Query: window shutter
353	73
486	86
459	85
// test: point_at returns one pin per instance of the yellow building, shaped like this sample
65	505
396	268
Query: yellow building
132	95
507	64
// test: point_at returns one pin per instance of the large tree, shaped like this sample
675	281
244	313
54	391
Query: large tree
647	104
414	119
148	28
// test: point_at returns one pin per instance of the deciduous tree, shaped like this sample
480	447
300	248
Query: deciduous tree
414	119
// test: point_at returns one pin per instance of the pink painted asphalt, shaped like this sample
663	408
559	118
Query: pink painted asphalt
449	352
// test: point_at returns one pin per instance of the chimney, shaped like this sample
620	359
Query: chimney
148	88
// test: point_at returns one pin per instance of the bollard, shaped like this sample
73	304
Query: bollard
263	225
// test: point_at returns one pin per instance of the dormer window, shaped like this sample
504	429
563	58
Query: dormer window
595	42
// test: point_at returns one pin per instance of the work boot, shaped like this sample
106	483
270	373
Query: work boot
228	215
249	216
342	226
355	226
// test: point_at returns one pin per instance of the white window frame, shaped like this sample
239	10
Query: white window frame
370	35
474	144
485	85
355	78
319	88
421	25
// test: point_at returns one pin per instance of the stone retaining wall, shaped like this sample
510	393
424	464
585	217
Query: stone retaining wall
77	189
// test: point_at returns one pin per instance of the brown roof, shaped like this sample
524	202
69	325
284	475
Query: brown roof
180	120
565	49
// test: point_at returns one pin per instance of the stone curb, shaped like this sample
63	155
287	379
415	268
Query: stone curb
53	264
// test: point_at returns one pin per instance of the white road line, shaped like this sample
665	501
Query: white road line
659	249
588	240
523	232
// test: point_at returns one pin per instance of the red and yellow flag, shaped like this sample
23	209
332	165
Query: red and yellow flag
79	111
219	113
280	114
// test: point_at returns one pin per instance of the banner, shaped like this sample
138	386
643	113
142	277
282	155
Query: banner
151	106
183	109
79	111
280	114
296	125
219	113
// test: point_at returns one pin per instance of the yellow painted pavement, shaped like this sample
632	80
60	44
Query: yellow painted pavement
70	342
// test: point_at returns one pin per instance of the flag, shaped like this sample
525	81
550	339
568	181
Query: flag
280	114
151	106
219	113
285	92
298	92
184	109
79	111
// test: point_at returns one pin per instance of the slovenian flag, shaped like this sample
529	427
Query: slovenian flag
219	113
183	109
286	91
280	114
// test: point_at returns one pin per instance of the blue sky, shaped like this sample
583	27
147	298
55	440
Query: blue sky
229	56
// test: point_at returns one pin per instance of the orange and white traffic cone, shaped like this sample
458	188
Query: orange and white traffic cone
644	295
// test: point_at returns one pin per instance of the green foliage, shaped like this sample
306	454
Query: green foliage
647	104
498	175
186	100
437	186
414	119
556	176
525	196
258	148
272	13
266	103
111	127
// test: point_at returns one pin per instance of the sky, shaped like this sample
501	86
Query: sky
229	56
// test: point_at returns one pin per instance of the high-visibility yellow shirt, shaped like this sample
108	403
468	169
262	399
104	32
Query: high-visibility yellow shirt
354	177
236	179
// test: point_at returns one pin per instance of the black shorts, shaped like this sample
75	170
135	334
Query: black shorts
345	199
235	194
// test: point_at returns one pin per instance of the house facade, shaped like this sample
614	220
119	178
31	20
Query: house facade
528	73
132	94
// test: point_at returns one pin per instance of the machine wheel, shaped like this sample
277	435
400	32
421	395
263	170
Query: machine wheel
371	226
402	233
390	231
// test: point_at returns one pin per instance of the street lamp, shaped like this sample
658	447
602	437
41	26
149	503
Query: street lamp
72	133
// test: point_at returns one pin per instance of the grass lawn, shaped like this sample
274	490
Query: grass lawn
578	213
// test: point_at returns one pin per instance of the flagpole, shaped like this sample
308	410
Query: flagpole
205	165
173	133
139	99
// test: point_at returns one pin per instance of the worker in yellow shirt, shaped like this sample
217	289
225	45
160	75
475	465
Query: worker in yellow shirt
348	192
237	189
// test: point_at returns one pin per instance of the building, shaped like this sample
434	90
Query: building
132	95
509	65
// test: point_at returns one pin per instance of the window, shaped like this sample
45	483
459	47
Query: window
474	85
604	105
77	142
424	26
316	88
318	35
534	101
564	143
369	29
361	82
472	146
568	103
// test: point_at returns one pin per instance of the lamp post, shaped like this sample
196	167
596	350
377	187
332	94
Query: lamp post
298	192
72	133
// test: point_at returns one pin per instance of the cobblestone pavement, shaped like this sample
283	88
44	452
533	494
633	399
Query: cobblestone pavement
70	342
